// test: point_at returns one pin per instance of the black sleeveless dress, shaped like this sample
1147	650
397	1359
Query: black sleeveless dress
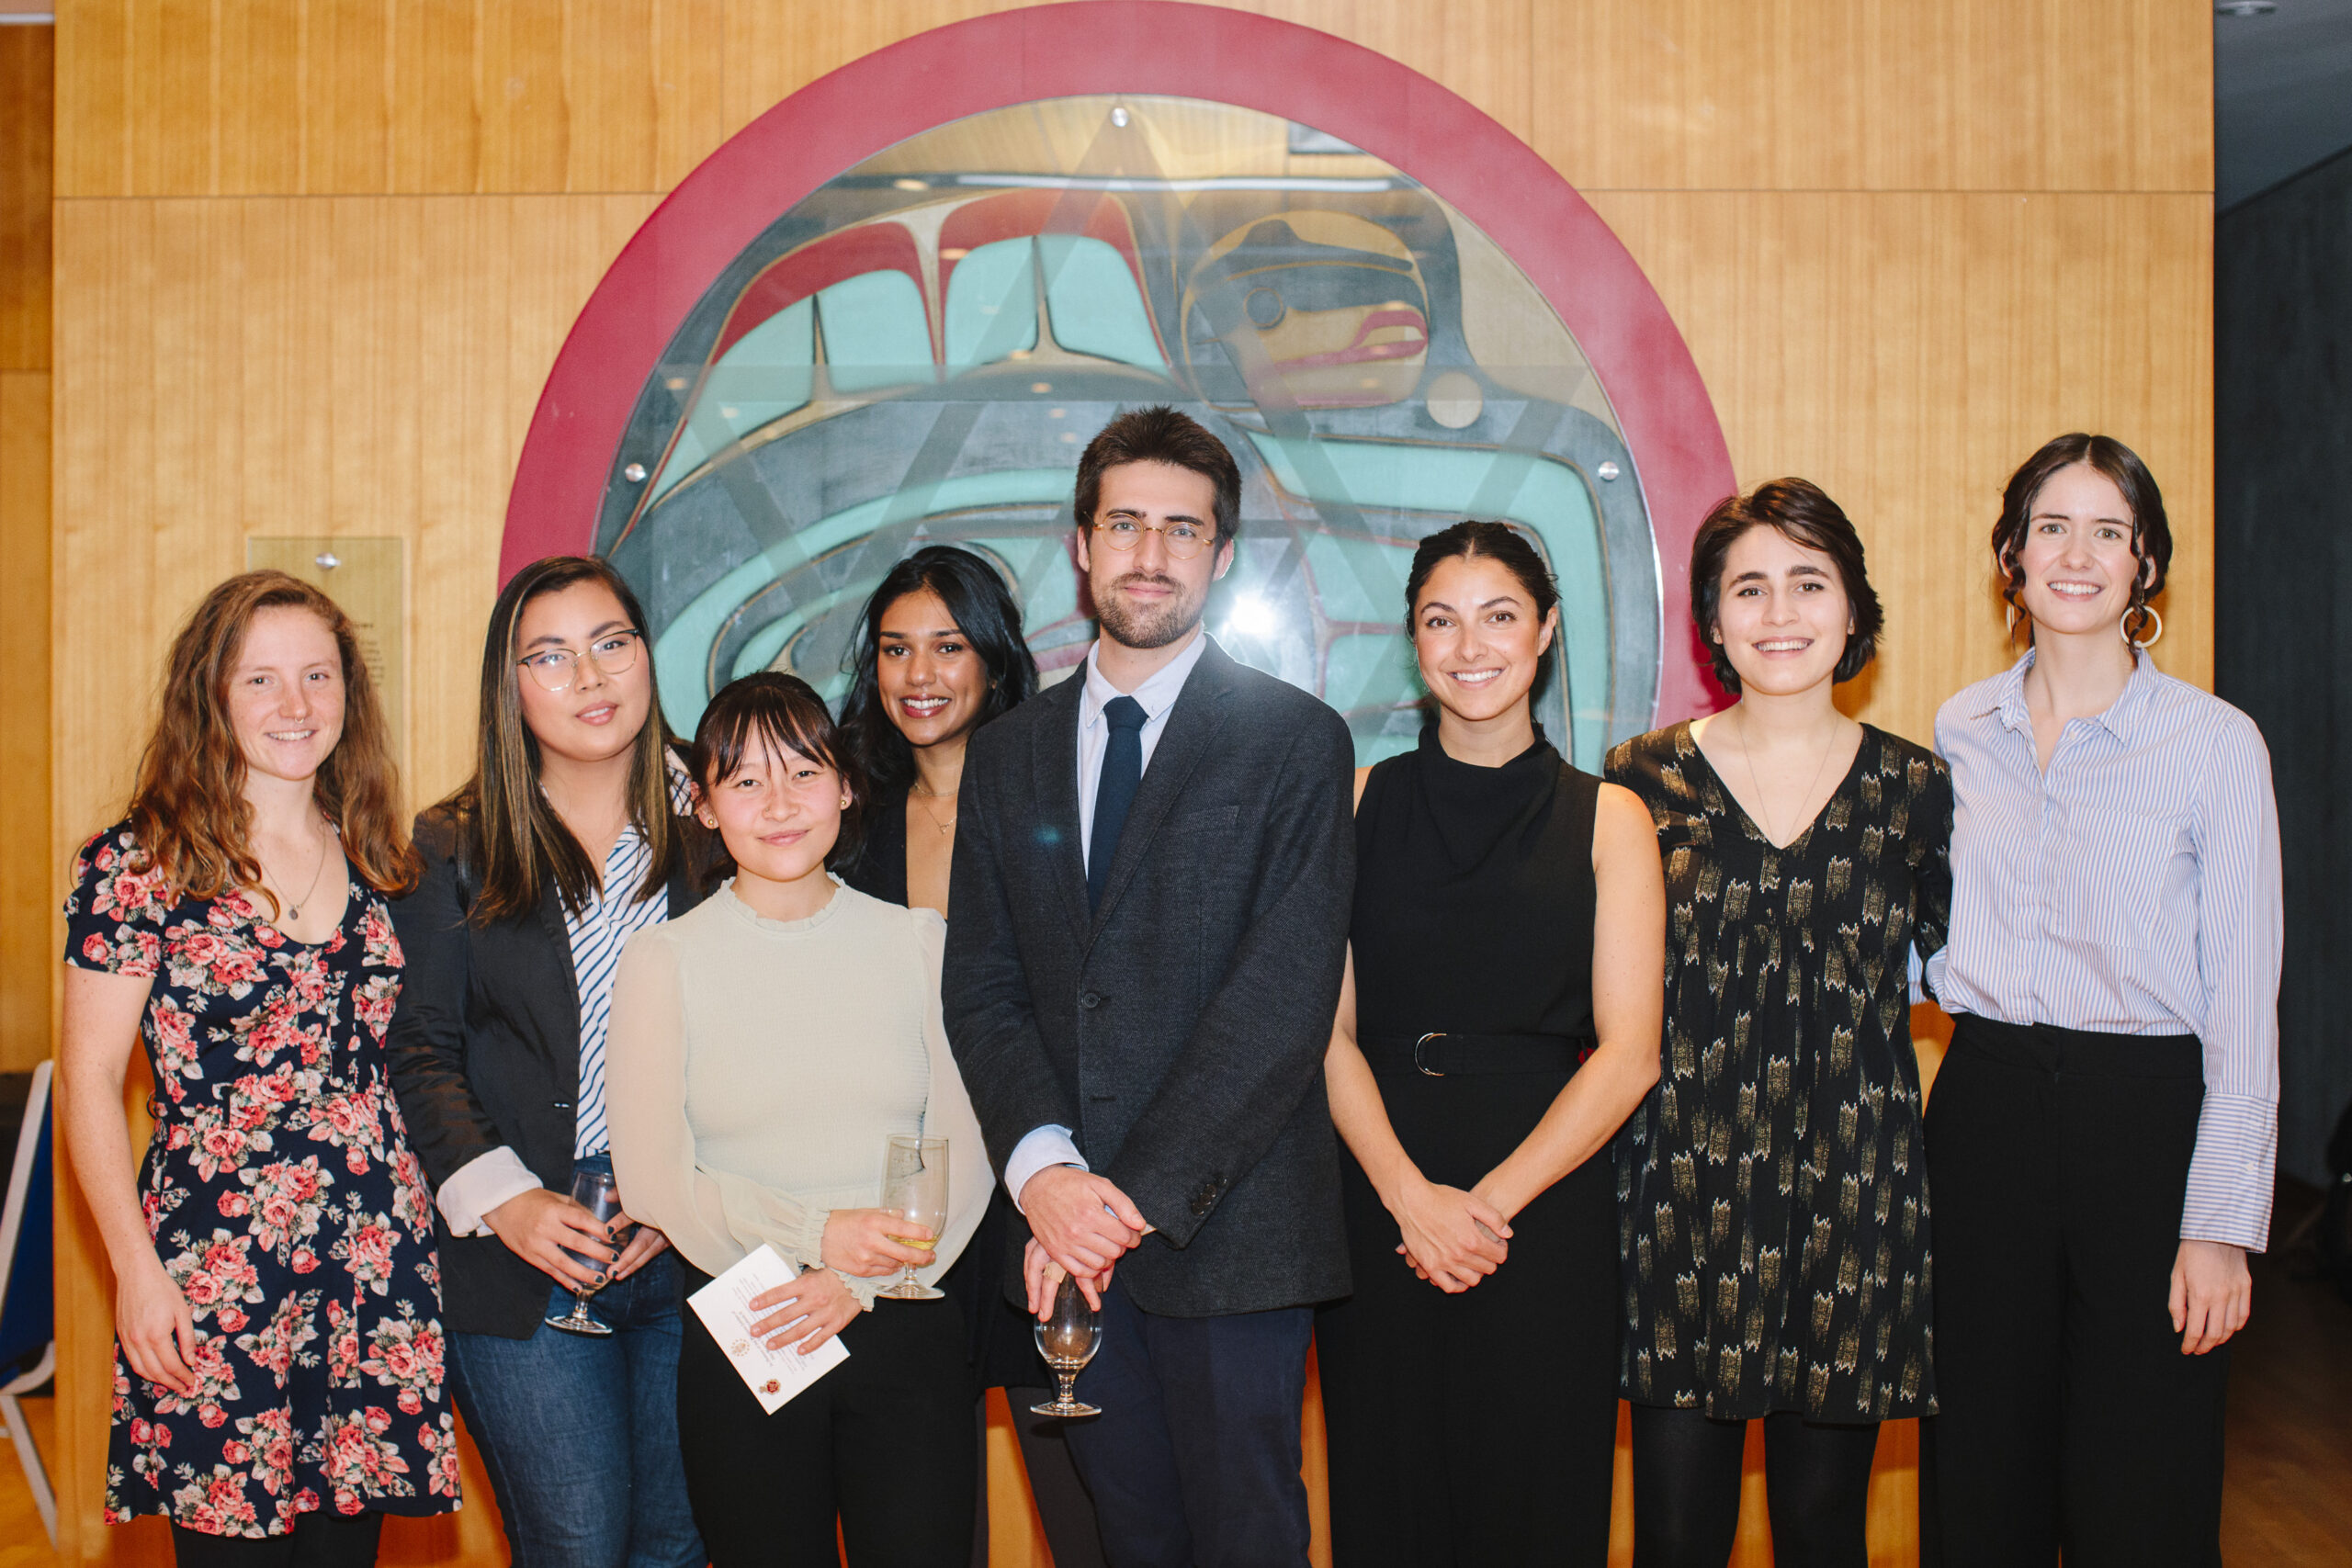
1477	1427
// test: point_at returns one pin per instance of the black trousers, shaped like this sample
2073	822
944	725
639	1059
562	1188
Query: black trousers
1480	1427
883	1443
2069	1420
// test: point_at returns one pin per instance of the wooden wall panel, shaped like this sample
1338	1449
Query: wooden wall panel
166	98
27	926
28	961
1908	352
315	257
1876	95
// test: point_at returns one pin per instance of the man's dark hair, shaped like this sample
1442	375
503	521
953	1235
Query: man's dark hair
2150	533
1161	434
1805	515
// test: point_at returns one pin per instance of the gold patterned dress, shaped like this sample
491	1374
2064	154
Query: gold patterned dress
1772	1199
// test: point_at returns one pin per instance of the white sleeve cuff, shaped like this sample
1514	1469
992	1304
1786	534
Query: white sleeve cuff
1044	1147
482	1184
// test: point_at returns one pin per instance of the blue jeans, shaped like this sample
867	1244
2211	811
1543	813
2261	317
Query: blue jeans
580	1435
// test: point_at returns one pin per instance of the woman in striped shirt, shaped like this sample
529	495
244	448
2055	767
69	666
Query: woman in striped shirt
564	842
2101	1139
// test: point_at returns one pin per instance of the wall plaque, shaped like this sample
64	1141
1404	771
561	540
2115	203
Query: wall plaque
369	577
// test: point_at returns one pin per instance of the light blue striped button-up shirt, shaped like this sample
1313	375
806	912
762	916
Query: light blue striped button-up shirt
2132	888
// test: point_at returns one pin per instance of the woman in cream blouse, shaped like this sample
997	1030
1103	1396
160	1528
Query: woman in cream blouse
764	1046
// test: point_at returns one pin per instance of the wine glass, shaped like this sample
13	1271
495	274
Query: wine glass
596	1191
914	1188
1066	1338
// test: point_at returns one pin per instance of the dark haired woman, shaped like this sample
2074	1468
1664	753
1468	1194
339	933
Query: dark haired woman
2104	1130
1498	1021
536	872
938	654
1772	1191
278	1381
766	1045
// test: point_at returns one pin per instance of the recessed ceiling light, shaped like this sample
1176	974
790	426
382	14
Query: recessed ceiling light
2245	8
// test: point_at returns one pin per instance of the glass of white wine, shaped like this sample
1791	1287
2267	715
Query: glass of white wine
914	1188
1066	1338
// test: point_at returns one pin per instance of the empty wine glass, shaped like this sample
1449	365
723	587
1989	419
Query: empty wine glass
914	1188
596	1191
1066	1338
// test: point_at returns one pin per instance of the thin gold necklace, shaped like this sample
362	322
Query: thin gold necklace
918	792
1747	758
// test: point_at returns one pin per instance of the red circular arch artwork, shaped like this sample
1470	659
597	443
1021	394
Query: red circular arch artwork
1136	47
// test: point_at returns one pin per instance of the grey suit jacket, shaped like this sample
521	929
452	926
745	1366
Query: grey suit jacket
1180	1030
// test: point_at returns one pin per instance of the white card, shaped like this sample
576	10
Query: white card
725	1307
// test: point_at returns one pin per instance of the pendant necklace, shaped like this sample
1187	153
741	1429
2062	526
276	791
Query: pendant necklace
294	909
944	828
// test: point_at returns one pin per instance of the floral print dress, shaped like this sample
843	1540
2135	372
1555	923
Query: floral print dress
284	1201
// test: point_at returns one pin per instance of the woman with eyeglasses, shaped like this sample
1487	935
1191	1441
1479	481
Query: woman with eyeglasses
938	654
564	842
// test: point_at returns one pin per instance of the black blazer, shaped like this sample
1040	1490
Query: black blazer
1180	1030
485	1050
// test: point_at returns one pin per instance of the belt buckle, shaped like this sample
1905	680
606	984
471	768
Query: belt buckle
1426	1070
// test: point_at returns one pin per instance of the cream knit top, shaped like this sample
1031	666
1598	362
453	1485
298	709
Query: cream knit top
755	1067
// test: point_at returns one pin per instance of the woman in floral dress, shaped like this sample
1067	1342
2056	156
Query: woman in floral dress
278	1385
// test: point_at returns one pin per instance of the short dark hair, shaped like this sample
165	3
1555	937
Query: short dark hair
785	712
1805	516
2150	533
1161	434
982	609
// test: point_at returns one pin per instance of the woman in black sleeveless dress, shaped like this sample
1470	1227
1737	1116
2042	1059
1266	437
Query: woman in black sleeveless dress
1499	1022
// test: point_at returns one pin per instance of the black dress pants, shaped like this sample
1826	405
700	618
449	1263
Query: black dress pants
1481	1427
883	1442
2070	1421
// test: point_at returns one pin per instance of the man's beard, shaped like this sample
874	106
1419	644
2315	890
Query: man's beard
1144	629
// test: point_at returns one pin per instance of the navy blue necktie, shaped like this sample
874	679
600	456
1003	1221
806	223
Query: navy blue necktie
1122	772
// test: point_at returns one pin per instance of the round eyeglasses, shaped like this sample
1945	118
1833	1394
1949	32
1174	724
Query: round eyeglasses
1184	540
556	667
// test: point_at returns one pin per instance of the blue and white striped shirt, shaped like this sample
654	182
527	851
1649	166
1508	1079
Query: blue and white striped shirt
2132	888
599	930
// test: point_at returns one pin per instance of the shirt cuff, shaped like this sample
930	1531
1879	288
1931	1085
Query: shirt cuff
1928	975
2232	1172
1044	1147
482	1184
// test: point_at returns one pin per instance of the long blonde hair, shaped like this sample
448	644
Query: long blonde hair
188	813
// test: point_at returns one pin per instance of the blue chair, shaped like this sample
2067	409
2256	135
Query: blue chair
28	1291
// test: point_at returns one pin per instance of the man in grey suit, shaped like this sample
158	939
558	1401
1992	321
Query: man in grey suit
1154	865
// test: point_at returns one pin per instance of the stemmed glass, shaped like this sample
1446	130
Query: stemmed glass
1066	1338
914	1188
596	1191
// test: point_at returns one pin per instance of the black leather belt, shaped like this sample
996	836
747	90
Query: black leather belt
1442	1052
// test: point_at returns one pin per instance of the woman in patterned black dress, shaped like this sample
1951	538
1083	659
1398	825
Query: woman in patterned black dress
1773	1194
278	1306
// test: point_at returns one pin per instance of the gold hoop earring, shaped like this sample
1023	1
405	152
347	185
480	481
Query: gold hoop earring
2149	611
